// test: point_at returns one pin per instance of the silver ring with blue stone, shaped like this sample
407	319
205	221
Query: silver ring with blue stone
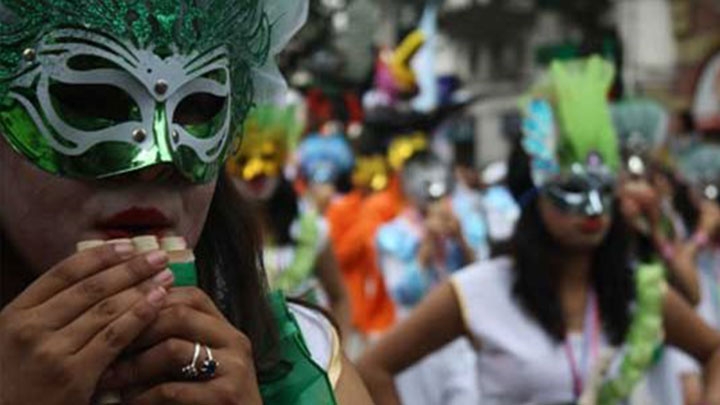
209	366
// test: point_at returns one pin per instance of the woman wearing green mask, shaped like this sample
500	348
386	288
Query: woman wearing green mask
116	118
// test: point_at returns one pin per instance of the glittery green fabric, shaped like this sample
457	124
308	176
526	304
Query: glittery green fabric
165	26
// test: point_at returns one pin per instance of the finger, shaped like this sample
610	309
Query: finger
159	364
193	297
186	323
105	347
81	330
73	269
183	393
69	304
631	208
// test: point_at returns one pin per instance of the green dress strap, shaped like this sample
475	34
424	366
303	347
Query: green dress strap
303	382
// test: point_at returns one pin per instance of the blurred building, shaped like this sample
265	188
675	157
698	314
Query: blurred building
664	49
673	55
696	84
499	47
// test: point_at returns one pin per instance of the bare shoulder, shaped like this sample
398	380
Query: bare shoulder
350	389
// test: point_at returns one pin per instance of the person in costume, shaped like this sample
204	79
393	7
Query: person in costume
467	200
418	250
700	165
355	247
370	175
679	379
297	255
425	243
487	208
116	119
325	161
566	317
649	184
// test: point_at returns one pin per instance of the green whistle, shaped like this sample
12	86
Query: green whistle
182	265
185	274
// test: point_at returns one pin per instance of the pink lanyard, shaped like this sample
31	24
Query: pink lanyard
591	337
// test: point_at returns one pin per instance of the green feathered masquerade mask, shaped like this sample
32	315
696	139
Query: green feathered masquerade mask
99	88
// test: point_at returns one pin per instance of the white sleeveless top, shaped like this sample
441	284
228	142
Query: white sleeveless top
519	363
321	338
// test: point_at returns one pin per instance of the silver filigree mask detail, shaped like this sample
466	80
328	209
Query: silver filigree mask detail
152	89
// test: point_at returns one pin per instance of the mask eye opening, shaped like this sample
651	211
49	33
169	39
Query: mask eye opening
92	107
85	63
199	109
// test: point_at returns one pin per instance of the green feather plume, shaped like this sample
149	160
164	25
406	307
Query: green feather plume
580	97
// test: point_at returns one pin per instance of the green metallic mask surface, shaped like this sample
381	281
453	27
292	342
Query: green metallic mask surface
94	88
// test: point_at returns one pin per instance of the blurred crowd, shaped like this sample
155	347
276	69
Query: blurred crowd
368	206
179	226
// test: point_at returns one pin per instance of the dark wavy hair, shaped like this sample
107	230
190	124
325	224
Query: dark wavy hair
684	204
519	180
230	271
281	211
536	285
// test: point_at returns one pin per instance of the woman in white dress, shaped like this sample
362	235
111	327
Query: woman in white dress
566	318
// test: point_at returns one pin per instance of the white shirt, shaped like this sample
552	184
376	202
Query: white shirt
519	363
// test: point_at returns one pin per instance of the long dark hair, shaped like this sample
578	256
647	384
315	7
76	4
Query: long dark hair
281	211
684	204
537	279
519	180
229	265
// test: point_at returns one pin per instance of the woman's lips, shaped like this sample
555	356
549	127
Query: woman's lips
257	185
134	222
592	225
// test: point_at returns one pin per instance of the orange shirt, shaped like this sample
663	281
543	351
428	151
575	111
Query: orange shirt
354	221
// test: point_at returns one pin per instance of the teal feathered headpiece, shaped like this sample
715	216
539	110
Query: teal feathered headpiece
699	164
641	125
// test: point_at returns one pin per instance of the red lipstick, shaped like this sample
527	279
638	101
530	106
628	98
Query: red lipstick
592	225
135	221
257	185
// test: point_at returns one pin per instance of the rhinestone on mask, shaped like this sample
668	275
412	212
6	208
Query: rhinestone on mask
161	87
29	55
139	135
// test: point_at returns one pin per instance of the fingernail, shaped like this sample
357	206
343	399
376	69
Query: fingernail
124	249
157	296
166	277
157	258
